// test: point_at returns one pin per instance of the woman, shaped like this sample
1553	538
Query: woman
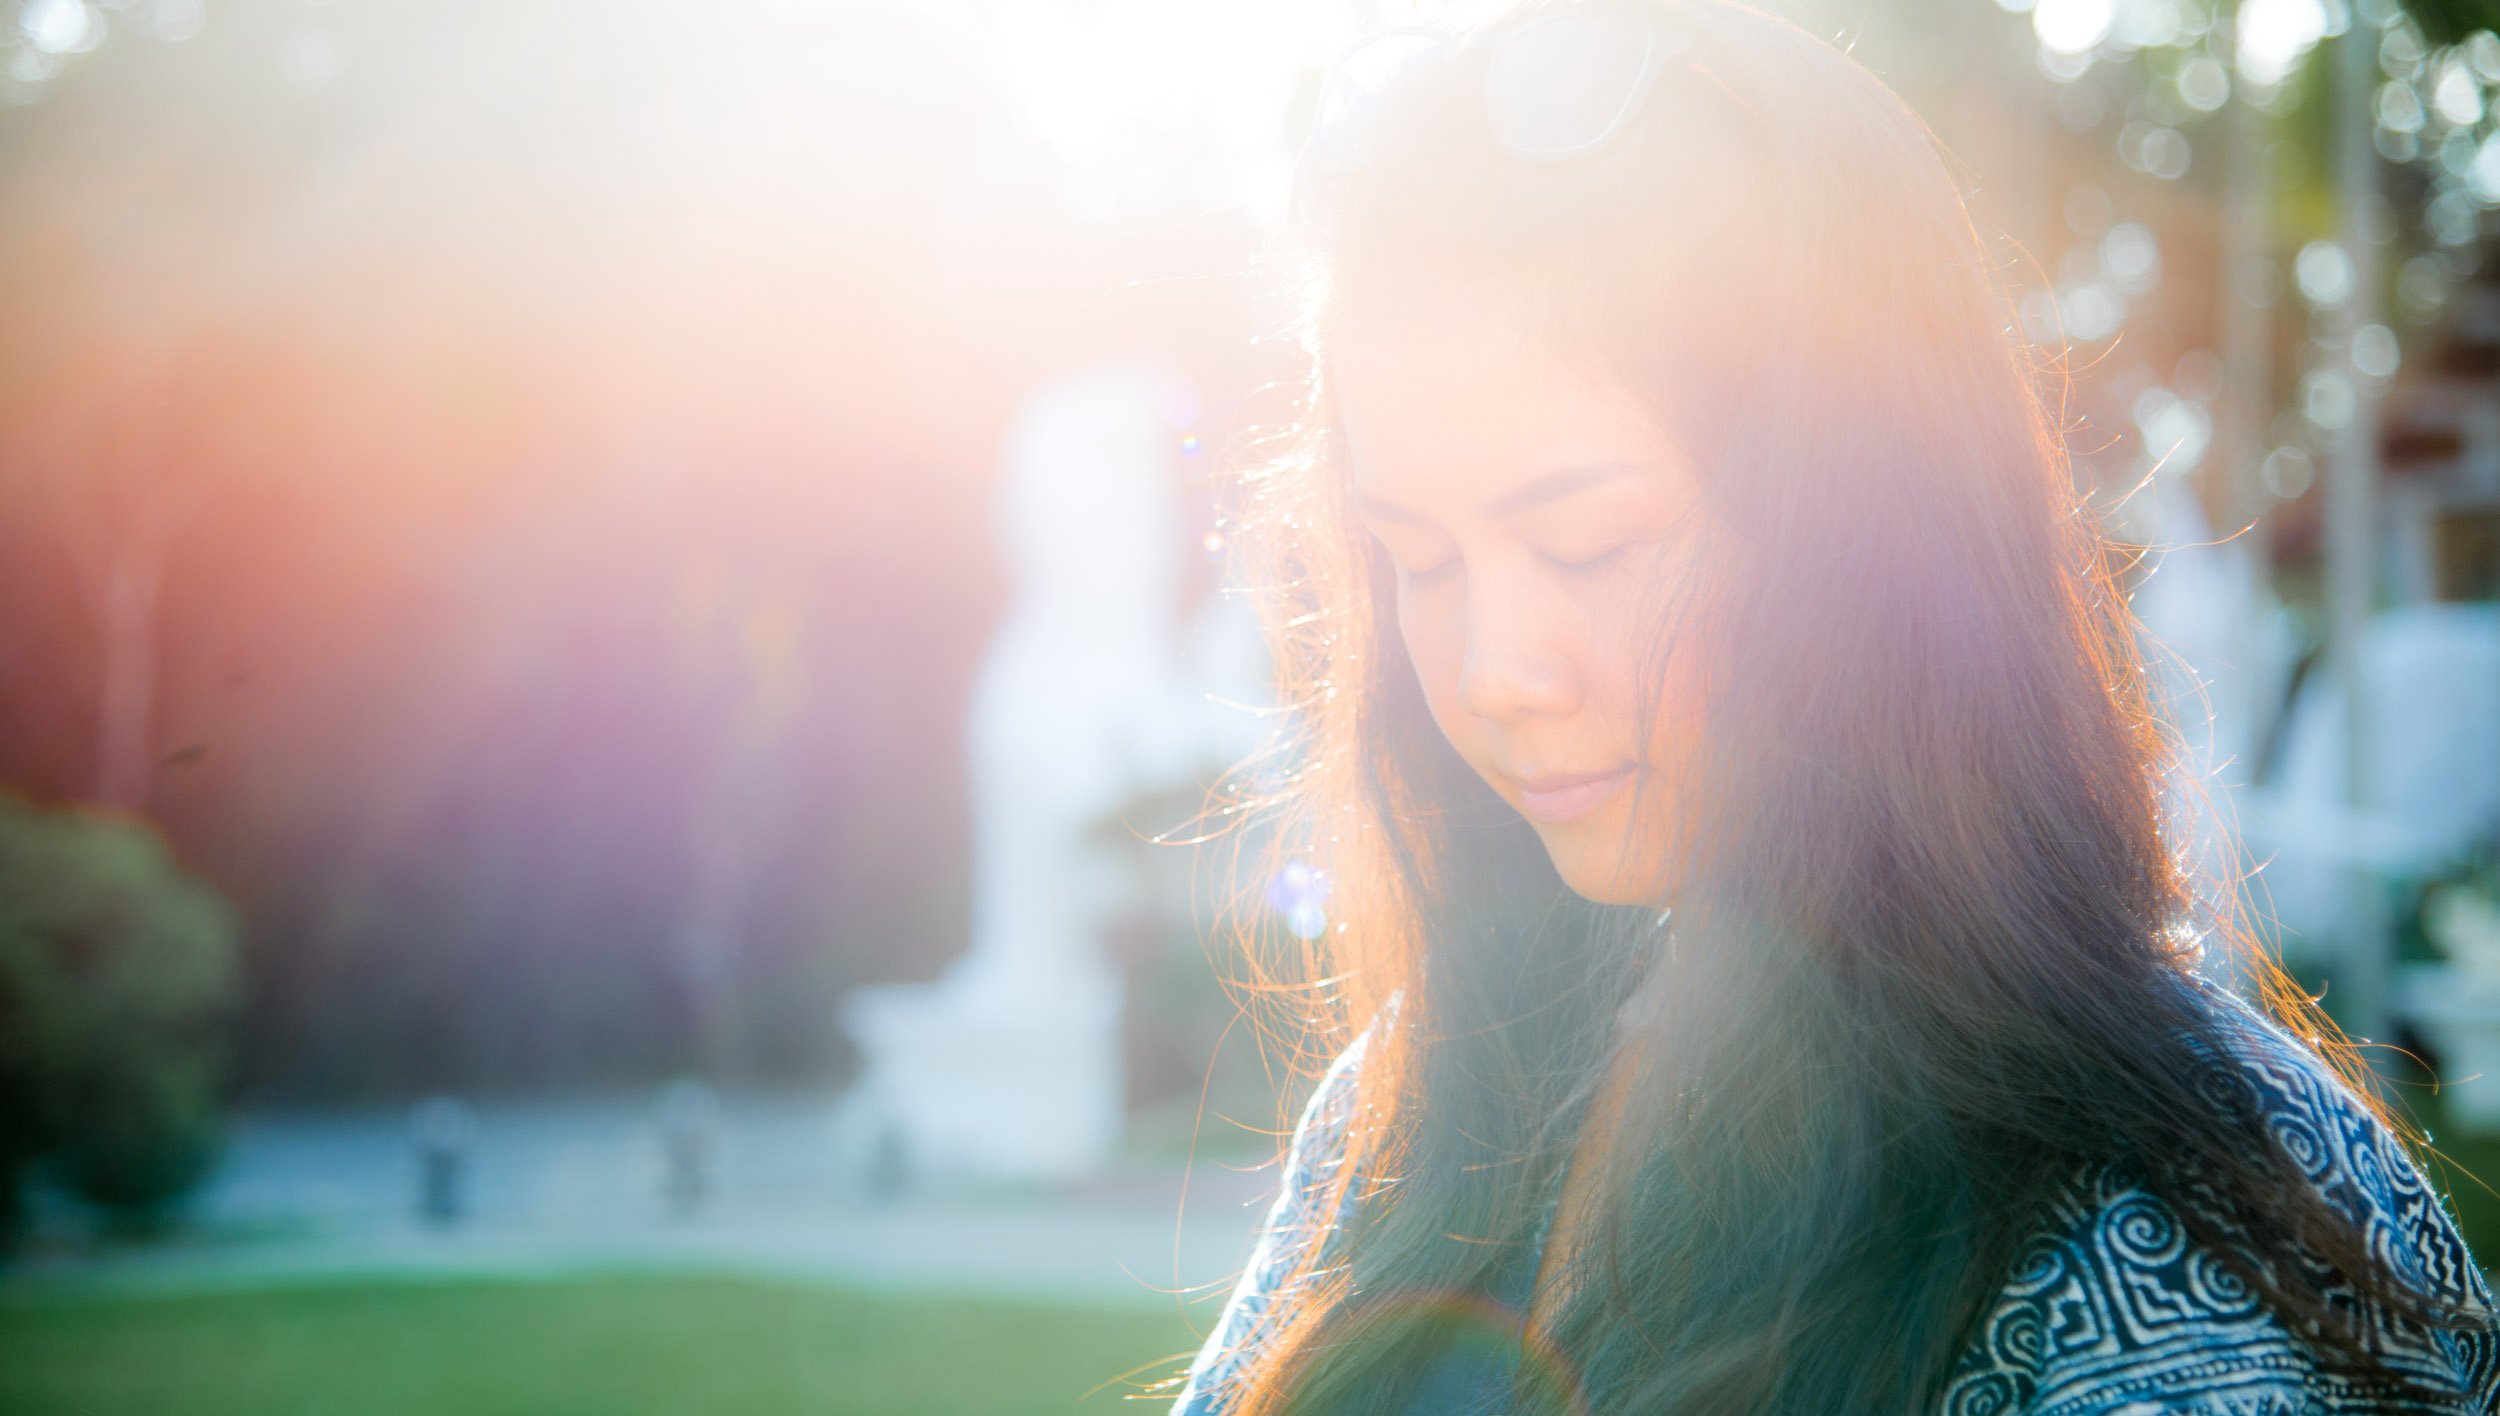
1770	982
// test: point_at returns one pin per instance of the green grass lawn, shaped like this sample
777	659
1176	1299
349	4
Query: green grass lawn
607	1346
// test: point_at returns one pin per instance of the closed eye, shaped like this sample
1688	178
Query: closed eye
1420	559
1599	564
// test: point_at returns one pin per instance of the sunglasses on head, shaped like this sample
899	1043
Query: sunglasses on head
1555	87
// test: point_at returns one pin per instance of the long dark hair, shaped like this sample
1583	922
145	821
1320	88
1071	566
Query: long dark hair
1931	948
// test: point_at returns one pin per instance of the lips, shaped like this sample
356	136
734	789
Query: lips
1567	796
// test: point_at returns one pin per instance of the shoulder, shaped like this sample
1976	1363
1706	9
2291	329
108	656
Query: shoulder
1301	1214
2344	1150
1299	1221
2114	1309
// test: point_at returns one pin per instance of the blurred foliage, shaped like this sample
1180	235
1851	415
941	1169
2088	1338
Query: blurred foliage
2450	21
118	977
560	661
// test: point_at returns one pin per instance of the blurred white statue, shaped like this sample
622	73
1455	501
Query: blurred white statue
2431	767
2431	776
1008	1066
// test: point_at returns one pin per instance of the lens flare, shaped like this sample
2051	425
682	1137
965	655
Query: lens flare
1472	1330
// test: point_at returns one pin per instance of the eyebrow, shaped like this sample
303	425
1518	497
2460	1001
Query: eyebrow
1552	487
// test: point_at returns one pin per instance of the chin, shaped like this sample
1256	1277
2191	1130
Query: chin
1595	868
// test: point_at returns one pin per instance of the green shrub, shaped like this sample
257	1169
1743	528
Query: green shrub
118	979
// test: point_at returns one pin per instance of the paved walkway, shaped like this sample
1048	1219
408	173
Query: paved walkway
579	1186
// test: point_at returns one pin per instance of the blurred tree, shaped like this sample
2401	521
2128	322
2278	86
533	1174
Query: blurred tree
2271	280
2452	21
117	980
353	435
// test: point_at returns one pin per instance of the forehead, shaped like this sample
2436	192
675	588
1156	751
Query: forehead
1450	415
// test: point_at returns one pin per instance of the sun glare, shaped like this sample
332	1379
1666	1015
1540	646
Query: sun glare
2274	34
1134	95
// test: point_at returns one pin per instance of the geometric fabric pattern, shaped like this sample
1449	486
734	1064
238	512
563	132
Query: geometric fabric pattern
2113	1310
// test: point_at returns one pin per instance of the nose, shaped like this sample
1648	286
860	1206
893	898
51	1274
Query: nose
1516	663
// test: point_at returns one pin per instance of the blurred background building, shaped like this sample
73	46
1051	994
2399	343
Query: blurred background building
634	582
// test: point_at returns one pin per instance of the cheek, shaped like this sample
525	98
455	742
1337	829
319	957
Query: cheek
1663	686
1435	646
1674	694
1613	668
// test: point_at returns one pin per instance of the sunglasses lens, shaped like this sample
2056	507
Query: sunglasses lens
1563	86
1350	104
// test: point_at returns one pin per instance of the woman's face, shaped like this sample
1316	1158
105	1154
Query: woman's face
1539	519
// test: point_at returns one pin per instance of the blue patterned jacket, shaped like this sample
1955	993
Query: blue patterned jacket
2112	1311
